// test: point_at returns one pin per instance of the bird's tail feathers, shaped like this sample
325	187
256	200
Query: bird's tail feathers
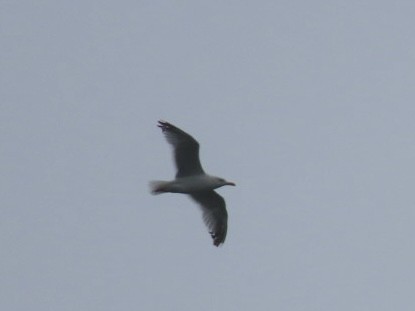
158	186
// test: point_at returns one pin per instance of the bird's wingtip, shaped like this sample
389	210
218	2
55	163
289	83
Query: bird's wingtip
218	240
164	125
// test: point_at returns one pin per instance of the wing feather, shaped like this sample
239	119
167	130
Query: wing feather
215	215
186	150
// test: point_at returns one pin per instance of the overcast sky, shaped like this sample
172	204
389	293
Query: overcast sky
308	106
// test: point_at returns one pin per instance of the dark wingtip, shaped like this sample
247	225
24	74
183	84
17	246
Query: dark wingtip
164	125
217	240
217	243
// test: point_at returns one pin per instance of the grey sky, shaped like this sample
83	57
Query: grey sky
307	105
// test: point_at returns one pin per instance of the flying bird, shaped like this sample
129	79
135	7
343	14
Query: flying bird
192	180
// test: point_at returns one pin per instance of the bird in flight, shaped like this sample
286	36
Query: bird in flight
192	180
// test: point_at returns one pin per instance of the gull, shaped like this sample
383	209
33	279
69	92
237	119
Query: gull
192	180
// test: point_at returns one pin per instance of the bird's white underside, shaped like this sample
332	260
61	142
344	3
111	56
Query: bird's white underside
193	183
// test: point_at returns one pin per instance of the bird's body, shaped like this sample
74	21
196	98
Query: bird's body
187	185
192	180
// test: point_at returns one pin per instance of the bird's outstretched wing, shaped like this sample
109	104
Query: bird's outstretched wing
186	150
214	214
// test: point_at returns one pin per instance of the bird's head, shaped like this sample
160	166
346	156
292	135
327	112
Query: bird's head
222	182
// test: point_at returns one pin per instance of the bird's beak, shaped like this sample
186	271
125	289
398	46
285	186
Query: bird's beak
229	183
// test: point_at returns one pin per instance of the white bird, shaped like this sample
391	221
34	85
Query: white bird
192	180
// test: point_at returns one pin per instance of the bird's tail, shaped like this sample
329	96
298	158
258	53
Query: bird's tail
158	186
